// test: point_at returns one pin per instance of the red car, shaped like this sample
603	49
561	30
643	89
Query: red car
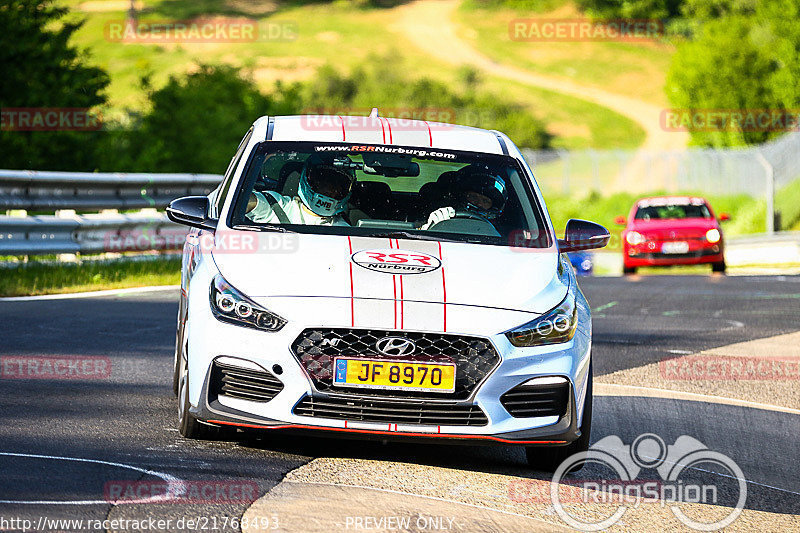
672	230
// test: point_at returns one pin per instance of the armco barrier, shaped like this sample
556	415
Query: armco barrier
47	234
34	190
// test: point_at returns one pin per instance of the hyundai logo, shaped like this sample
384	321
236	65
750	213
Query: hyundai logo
395	346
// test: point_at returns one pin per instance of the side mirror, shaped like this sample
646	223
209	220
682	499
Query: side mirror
724	217
583	235
191	211
620	221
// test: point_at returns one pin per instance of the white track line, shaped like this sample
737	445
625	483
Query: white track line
94	294
614	389
172	481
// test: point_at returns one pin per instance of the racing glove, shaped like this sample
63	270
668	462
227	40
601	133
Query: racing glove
440	215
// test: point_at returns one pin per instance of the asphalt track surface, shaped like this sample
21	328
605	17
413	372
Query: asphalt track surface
63	441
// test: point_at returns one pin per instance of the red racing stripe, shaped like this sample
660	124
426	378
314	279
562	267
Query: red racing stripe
394	287
390	131
344	137
352	291
444	290
402	303
430	135
383	130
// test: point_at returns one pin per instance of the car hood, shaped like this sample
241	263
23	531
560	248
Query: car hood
308	265
665	228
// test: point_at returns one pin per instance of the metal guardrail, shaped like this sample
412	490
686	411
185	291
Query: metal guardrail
47	234
34	190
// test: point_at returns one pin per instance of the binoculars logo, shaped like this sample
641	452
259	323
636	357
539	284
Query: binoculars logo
674	464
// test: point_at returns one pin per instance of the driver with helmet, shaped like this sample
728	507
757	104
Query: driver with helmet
323	194
479	194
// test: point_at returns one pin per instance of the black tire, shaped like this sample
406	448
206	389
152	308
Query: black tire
628	270
548	459
188	426
176	367
718	267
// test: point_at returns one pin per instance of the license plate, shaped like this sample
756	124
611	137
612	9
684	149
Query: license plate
678	247
371	374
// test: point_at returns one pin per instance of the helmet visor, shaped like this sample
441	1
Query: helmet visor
329	181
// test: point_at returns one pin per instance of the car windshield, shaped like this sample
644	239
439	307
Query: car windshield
377	190
671	211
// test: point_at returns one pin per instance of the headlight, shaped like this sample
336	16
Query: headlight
713	235
555	326
230	305
634	238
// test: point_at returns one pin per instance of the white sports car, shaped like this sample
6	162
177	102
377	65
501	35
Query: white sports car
372	277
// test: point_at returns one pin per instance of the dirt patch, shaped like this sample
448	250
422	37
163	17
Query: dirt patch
99	6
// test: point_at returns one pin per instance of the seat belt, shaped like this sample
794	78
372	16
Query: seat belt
277	209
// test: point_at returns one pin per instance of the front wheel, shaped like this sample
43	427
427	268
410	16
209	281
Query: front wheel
548	459
628	270
718	267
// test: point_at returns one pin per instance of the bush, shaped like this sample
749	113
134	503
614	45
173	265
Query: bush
382	83
193	123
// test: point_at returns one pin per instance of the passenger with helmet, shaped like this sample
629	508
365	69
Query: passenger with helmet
477	193
323	195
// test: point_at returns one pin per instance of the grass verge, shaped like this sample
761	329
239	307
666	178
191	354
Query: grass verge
338	34
38	277
634	69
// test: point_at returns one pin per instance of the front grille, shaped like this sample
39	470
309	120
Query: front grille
528	401
242	383
474	357
392	411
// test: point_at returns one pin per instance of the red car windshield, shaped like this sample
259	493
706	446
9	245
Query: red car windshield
672	211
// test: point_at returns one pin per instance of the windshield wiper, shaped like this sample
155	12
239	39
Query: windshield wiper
264	227
419	237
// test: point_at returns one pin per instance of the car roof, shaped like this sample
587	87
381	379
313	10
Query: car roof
380	130
670	200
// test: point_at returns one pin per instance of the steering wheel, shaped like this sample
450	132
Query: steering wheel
468	215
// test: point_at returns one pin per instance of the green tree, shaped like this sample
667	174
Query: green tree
40	69
194	122
741	56
382	82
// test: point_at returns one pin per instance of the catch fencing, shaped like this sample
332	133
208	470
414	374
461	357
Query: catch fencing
705	170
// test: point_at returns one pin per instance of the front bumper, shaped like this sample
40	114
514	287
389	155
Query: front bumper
563	431
644	256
